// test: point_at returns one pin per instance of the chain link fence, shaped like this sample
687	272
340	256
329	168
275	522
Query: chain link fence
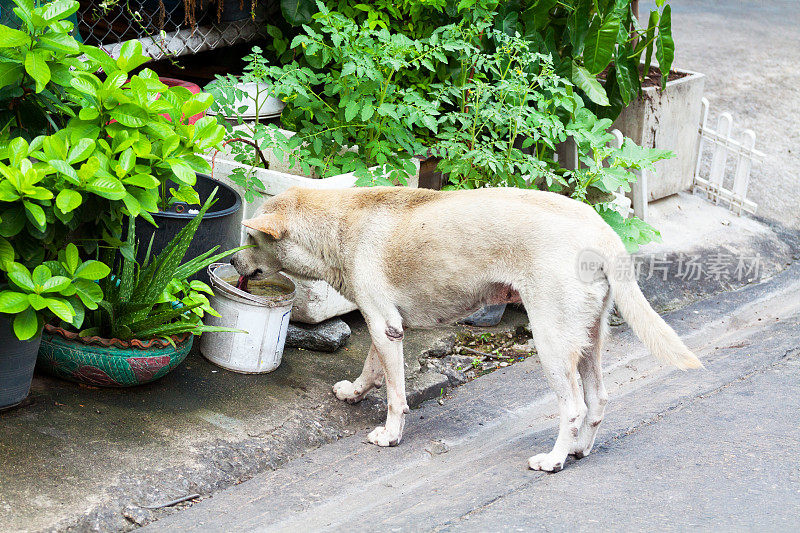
171	27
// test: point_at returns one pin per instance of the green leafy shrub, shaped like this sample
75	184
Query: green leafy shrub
35	64
348	112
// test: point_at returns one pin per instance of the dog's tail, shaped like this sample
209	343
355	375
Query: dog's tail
659	337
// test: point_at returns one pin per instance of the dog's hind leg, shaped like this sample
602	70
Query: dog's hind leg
594	390
559	352
371	377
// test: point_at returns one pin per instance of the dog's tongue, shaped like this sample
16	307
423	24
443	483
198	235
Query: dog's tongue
242	285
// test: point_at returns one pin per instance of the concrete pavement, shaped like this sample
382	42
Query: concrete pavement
707	449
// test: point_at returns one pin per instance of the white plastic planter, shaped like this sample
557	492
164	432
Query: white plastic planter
266	321
315	301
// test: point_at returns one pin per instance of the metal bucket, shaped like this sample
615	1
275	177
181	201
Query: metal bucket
266	320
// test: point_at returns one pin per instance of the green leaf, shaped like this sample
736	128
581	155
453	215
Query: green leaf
196	105
55	284
92	270
36	214
131	56
7	253
107	187
652	24
59	42
56	10
40	275
72	258
665	45
11	38
36	67
183	172
600	42
13	302
297	12
129	115
68	200
589	85
82	150
10	73
351	110
66	170
89	293
61	308
26	324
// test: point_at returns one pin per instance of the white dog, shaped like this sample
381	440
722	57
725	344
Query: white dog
421	258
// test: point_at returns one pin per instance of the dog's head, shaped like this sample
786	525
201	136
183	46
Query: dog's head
264	233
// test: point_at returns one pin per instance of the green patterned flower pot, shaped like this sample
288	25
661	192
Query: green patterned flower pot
109	362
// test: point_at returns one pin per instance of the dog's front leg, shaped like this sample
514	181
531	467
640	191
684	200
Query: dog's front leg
371	376
387	339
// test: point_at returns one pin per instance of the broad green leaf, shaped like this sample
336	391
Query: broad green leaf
72	258
196	104
10	73
40	275
61	308
13	302
88	113
11	38
589	85
92	270
56	10
81	151
89	293
36	214
66	170
599	44
26	324
129	115
183	172
36	67
59	42
56	284
131	56
68	200
107	187
6	253
21	276
84	85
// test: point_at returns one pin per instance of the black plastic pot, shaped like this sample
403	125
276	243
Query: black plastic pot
221	225
17	359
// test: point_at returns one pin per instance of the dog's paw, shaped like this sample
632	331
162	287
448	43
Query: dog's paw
579	452
546	462
346	391
381	437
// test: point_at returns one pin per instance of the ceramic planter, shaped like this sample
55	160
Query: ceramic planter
17	360
109	362
669	120
315	301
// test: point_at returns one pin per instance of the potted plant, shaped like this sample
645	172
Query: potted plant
145	324
608	54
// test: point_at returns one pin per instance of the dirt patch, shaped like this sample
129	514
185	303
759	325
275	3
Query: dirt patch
653	78
472	353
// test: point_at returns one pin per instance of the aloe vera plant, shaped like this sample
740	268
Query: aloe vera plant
156	298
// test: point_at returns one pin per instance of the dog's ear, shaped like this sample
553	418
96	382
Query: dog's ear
272	224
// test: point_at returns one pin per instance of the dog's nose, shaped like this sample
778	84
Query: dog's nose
233	260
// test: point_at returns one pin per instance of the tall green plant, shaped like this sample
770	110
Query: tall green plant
597	44
156	299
